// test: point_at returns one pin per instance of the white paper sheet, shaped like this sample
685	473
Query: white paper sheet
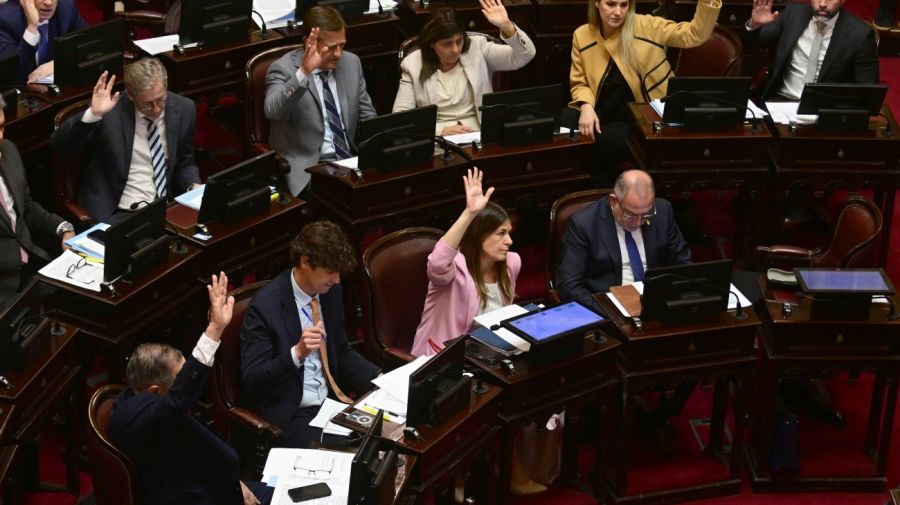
89	276
639	286
193	198
381	399
467	138
351	163
289	468
396	382
81	242
276	13
329	409
786	113
157	45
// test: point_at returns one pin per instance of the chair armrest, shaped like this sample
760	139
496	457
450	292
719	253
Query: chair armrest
398	354
553	295
260	148
143	17
81	218
253	421
787	252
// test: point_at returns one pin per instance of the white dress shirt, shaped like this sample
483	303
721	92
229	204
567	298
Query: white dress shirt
33	39
327	151
315	389
793	75
205	350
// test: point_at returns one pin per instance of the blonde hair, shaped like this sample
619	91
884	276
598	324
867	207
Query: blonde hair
626	36
143	74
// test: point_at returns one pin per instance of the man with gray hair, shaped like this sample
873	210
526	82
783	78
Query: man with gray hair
178	459
23	222
142	144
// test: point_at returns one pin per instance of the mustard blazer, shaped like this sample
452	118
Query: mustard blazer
591	53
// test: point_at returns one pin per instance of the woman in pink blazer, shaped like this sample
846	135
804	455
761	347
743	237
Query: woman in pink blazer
470	270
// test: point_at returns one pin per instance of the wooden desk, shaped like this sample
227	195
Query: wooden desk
797	343
258	243
805	159
665	355
31	125
161	303
895	496
536	392
681	161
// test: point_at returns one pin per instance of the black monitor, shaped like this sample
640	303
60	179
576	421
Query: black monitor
438	389
842	108
239	192
397	141
23	331
349	9
137	243
214	22
374	468
521	116
707	103
689	293
80	57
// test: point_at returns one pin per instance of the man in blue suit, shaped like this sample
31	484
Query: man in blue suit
178	459
285	376
28	27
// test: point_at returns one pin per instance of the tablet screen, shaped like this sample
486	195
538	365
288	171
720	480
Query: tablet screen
861	281
554	321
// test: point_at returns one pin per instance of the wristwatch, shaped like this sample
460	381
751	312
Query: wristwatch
64	227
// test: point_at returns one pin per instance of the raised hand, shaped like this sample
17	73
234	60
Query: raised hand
476	200
32	16
761	14
221	306
312	56
495	13
588	122
103	99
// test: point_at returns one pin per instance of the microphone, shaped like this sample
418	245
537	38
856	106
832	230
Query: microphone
178	247
738	310
263	32
743	108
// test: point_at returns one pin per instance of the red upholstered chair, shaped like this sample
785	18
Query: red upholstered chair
559	215
719	56
251	435
68	169
115	480
256	125
397	282
853	243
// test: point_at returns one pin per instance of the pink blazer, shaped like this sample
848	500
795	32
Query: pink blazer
452	301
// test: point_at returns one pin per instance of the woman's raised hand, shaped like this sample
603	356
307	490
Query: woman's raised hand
476	200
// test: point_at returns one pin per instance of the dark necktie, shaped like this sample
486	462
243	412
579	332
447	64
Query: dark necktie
341	150
43	49
634	257
157	158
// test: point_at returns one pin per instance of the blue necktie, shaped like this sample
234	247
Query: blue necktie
341	150
634	257
43	49
157	158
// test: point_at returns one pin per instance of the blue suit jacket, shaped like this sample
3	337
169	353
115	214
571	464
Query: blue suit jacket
112	142
179	460
591	259
65	20
271	385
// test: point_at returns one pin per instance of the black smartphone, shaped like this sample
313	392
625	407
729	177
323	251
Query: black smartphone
98	235
311	492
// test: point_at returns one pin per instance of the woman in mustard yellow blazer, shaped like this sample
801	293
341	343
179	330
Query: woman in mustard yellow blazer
620	57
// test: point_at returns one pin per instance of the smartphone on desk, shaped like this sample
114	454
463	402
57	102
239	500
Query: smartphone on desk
311	492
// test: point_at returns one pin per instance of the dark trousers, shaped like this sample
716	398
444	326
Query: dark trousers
610	149
262	492
298	433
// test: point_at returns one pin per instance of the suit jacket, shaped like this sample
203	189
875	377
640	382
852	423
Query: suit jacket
112	142
452	301
591	259
32	221
65	20
270	383
294	109
852	55
179	460
483	58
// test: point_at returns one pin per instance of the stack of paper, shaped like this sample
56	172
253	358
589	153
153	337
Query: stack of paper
289	468
327	412
87	246
75	270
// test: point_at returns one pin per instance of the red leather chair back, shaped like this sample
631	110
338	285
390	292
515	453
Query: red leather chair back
719	56
68	169
255	123
855	240
115	480
395	267
562	209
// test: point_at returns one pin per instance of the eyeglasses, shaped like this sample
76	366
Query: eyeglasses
75	267
149	106
319	467
639	217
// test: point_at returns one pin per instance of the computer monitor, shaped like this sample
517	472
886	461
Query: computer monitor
842	108
373	468
707	103
438	389
80	57
521	116
397	141
214	22
137	243
349	9
689	293
239	192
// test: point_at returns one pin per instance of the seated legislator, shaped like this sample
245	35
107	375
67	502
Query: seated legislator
453	70
285	376
142	145
178	459
843	45
28	27
315	96
620	57
22	221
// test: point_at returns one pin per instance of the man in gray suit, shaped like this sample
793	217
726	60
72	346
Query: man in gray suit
314	97
22	220
142	144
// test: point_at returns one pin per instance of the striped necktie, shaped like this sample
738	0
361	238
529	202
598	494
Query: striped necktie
157	157
341	150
